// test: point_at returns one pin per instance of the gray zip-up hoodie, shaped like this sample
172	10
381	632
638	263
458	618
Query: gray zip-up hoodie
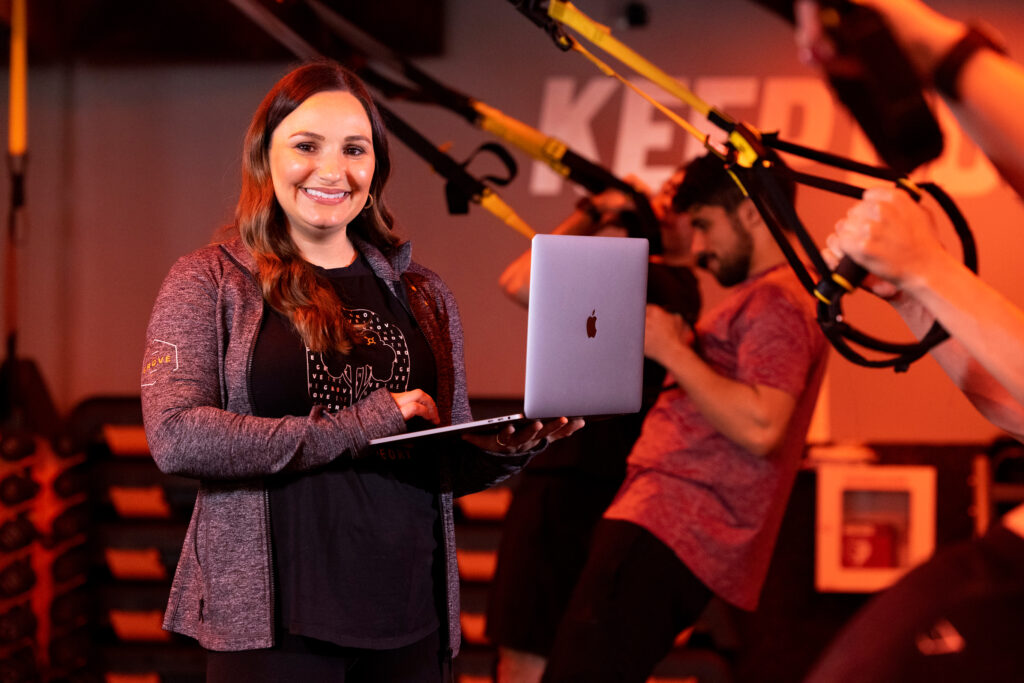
198	413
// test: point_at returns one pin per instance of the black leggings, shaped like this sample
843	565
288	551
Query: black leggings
297	658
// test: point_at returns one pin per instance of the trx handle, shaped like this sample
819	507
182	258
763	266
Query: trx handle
457	176
849	274
830	315
458	200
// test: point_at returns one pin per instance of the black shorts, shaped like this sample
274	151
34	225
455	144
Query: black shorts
544	544
632	600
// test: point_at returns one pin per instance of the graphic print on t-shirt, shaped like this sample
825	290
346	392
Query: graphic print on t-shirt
379	359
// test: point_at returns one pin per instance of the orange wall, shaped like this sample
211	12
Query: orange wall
131	167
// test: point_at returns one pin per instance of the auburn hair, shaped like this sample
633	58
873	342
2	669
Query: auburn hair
290	284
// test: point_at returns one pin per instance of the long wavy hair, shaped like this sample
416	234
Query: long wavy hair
290	284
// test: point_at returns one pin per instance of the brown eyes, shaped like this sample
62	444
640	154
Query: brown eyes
309	148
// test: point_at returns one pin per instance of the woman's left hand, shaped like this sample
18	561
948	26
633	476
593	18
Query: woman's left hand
511	440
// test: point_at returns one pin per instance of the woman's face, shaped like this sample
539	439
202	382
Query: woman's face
322	163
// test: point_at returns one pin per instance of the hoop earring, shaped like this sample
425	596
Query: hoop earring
369	202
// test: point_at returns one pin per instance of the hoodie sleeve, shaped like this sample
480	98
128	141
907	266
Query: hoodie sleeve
194	336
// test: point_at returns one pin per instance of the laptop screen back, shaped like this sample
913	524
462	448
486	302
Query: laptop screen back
585	330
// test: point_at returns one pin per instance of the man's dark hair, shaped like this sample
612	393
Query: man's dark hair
708	183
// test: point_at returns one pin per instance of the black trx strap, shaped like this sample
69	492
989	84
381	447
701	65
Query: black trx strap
458	201
758	177
425	89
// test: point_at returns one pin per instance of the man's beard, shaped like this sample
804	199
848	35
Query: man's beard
734	267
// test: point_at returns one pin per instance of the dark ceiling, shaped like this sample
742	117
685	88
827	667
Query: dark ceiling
149	31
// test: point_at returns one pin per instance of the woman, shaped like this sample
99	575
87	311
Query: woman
272	359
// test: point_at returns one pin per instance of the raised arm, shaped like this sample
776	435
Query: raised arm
895	239
986	89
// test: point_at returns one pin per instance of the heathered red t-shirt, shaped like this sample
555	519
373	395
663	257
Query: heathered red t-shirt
718	506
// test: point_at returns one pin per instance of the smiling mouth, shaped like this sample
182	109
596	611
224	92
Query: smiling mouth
320	195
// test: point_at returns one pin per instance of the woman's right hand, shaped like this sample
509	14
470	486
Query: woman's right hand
892	236
416	403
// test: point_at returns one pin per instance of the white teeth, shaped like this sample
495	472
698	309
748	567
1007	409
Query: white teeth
325	195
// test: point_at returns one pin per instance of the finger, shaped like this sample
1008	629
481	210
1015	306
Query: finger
549	427
889	206
567	429
419	404
528	432
575	424
431	410
813	46
654	314
504	437
488	442
520	439
883	194
832	254
865	210
849	233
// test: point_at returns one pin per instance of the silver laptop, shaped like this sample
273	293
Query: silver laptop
585	332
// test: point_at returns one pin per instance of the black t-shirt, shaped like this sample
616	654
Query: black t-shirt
356	543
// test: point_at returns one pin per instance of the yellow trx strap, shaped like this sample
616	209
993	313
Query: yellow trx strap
601	36
535	143
497	206
608	71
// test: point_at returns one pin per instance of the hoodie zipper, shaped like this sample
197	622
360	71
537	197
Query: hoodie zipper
271	589
266	494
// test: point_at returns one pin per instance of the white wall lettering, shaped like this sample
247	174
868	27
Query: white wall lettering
568	118
643	129
800	109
